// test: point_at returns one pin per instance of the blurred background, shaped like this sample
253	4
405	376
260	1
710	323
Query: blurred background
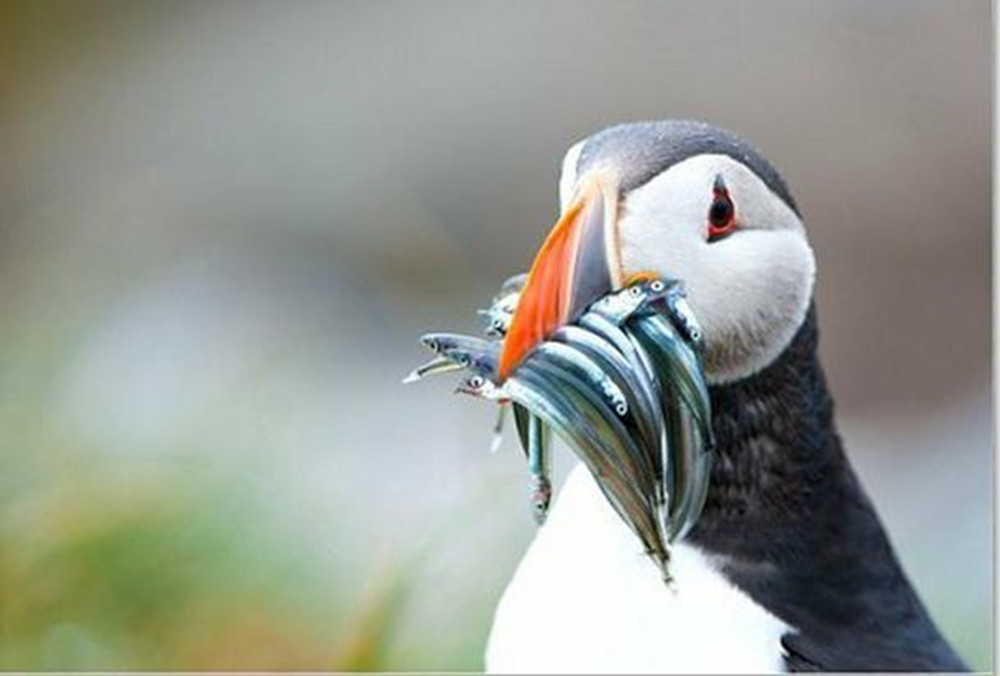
223	226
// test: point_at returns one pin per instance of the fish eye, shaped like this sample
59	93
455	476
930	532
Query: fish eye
635	290
476	381
621	409
656	286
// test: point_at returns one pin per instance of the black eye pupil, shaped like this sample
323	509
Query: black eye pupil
720	212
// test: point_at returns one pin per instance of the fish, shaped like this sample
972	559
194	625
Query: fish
566	412
605	328
480	386
676	363
501	310
679	473
688	414
644	408
478	355
522	419
583	366
643	368
623	450
497	321
618	306
622	385
436	365
539	485
683	316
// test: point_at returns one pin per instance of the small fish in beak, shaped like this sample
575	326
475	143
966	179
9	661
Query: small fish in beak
621	385
539	485
499	314
436	365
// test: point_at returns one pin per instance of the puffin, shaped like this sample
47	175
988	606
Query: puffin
788	567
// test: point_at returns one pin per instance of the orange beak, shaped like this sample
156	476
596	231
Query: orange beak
577	264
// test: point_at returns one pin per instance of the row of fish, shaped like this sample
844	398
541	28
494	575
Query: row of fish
622	385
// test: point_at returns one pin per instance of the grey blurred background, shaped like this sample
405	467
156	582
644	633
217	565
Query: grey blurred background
223	226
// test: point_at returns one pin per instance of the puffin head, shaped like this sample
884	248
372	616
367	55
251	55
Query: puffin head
682	200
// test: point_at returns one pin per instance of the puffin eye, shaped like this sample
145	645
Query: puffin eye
722	213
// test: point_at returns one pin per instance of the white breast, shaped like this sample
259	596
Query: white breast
585	599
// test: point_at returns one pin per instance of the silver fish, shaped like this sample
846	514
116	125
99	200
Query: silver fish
482	387
479	355
641	365
677	364
497	321
684	317
642	402
622	384
628	455
501	310
690	473
539	486
436	365
585	367
688	418
611	332
522	420
586	432
620	305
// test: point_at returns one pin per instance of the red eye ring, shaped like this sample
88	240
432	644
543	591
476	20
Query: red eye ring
722	213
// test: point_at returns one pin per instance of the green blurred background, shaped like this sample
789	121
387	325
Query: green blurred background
223	225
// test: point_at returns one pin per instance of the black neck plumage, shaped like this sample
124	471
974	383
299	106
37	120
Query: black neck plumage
795	530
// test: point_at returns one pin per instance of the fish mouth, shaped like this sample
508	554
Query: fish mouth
620	381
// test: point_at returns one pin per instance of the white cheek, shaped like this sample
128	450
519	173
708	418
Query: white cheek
751	291
751	297
663	229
